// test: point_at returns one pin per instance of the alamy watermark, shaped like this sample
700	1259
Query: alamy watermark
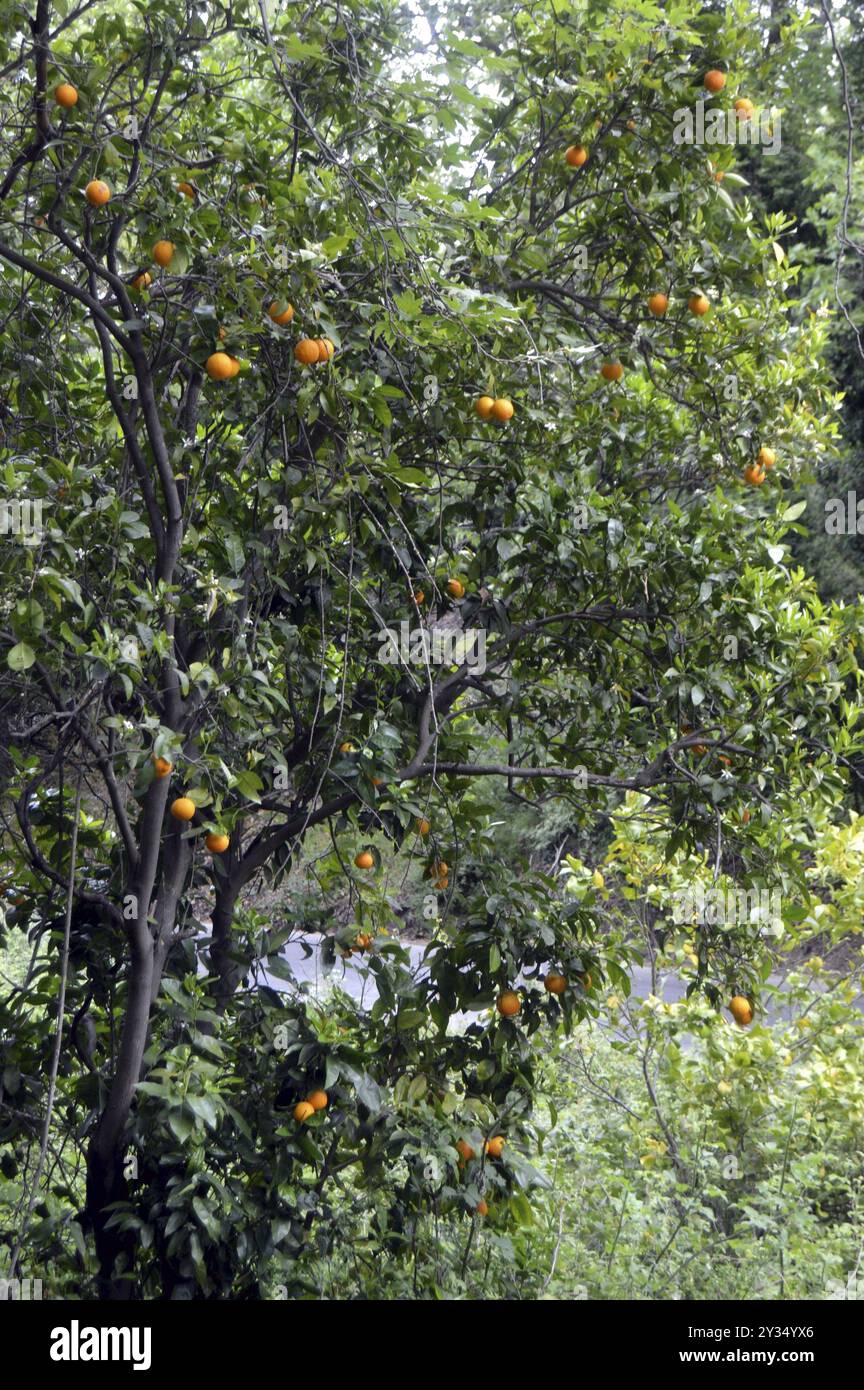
22	520
717	126
732	907
433	647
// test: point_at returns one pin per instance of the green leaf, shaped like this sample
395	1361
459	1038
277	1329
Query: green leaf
20	657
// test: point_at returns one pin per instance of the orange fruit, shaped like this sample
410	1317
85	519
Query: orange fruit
698	305
745	108
631	125
303	1111
502	408
423	825
745	815
556	984
495	1147
97	193
483	405
741	1010
508	1003
439	870
186	189
318	1100
325	349
576	156
285	317
65	95
658	304
142	281
306	351
455	588
364	860
766	458
466	1153
715	80
754	475
162	253
419	596
346	747
364	941
183	808
217	844
162	767
377	781
481	1208
612	371
220	367
585	979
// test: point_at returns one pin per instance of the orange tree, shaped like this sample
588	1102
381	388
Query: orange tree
261	265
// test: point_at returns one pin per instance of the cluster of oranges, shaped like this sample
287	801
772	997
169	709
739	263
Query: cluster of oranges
183	808
755	473
305	1109
494	408
439	872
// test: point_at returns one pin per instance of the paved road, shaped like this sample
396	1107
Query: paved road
347	975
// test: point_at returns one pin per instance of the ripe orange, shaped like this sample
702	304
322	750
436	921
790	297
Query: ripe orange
455	588
612	371
556	984
364	860
631	125
325	349
658	304
65	95
217	844
423	825
766	458
715	80
576	156
508	1003
186	189
220	367
745	108
481	1208
745	815
162	767
698	305
741	1010
97	193
303	1111
363	941
466	1153
502	408
585	980
483	405
419	596
285	317
163	252
306	351
183	808
142	281
495	1147
754	475
346	747
377	781
318	1100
